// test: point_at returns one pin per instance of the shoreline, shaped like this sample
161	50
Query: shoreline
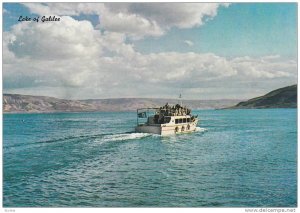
77	112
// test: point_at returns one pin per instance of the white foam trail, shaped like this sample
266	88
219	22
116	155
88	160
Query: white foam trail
125	136
200	129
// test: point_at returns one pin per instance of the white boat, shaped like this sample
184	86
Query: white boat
166	120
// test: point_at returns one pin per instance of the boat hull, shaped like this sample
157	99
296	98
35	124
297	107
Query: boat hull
167	129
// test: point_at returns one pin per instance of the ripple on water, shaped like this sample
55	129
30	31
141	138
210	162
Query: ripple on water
232	160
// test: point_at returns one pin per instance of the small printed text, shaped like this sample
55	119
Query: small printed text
38	19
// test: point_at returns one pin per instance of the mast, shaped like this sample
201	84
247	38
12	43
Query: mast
180	100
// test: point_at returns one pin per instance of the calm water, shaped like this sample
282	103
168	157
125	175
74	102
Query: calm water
244	158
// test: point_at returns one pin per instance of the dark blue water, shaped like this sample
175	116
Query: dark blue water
244	158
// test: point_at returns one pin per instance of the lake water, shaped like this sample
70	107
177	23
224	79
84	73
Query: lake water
237	158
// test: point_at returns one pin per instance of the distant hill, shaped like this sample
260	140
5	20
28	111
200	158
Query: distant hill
15	103
285	97
27	103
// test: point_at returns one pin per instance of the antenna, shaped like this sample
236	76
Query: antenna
180	99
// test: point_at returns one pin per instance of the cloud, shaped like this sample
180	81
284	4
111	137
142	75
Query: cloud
65	39
74	59
182	15
189	43
78	61
135	26
69	9
5	11
136	20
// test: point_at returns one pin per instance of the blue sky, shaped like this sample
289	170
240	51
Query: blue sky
242	29
17	9
215	50
239	30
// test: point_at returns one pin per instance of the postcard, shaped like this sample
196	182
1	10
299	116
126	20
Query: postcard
150	104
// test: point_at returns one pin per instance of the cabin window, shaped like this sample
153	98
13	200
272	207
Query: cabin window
180	120
176	121
184	120
188	120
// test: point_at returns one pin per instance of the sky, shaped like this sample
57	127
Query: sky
149	50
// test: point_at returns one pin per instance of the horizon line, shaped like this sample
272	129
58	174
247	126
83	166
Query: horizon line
3	94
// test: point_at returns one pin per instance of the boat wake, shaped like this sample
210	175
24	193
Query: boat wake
134	135
126	136
110	137
200	129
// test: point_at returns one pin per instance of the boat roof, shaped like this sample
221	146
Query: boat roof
148	108
178	116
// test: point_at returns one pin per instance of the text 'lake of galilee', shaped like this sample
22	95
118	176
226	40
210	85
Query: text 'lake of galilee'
238	158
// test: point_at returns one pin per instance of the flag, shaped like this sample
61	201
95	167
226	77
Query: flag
142	115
